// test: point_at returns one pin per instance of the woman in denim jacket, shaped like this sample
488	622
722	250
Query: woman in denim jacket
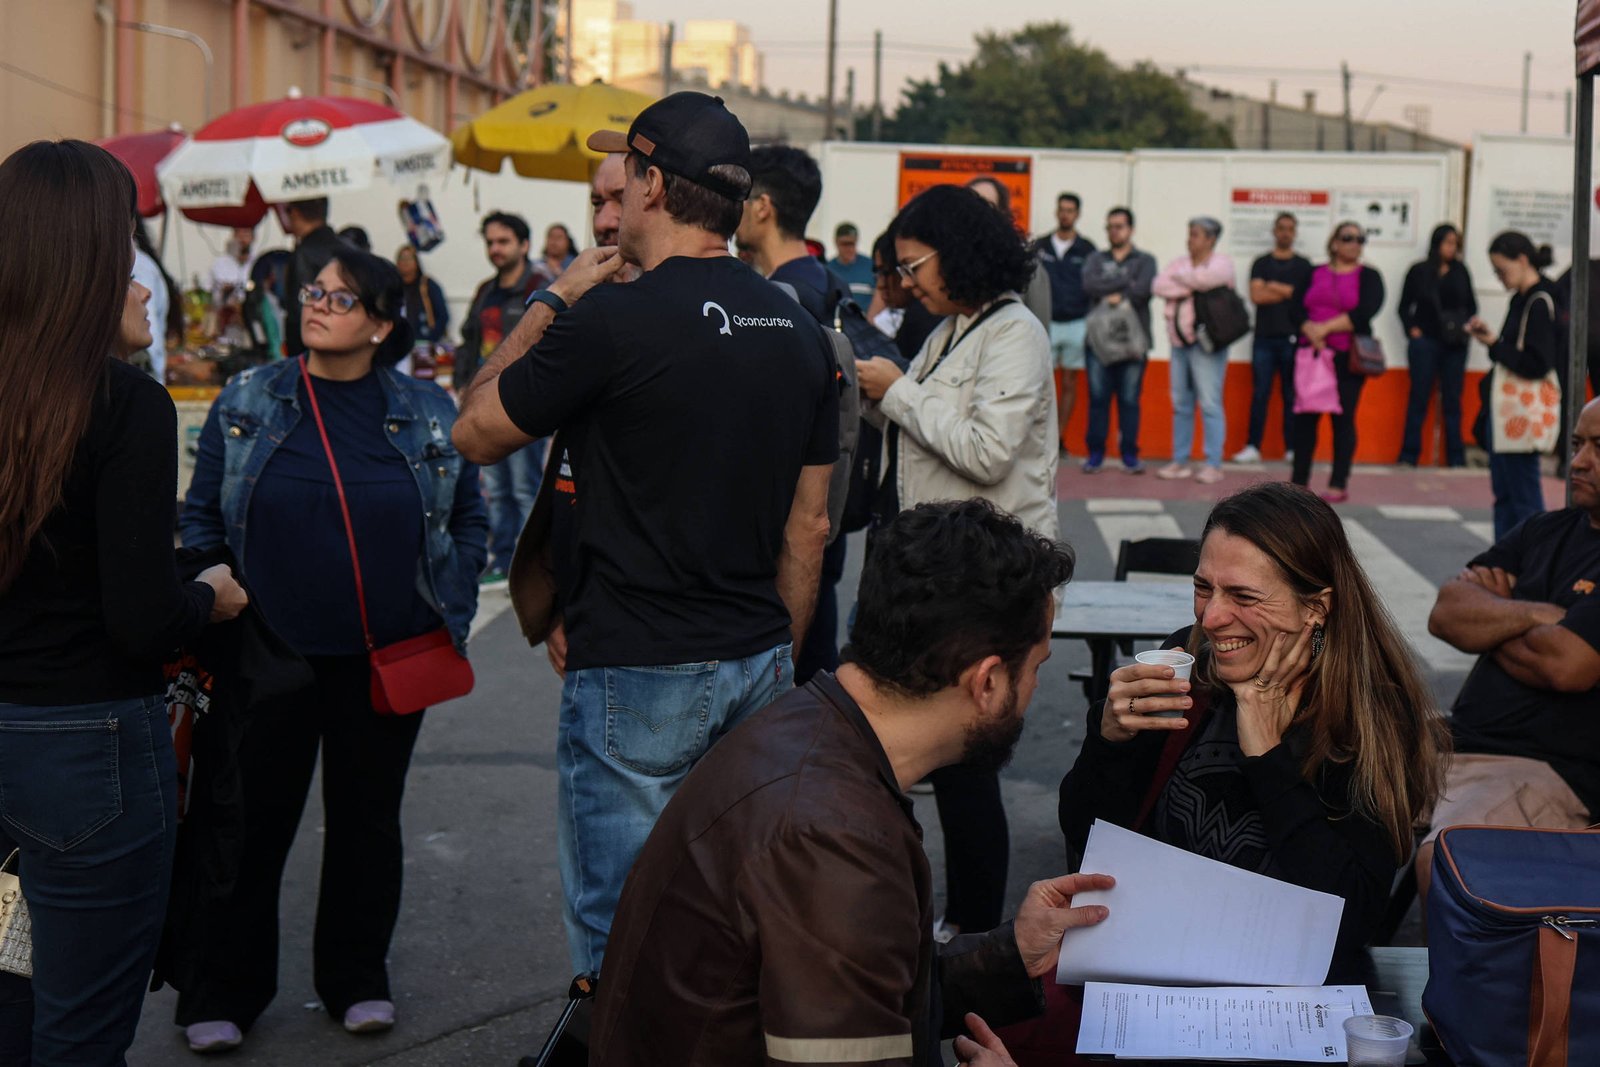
263	486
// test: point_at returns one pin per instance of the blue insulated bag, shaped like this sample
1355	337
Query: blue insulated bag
1514	946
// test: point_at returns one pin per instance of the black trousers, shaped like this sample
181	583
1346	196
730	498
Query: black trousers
820	649
977	846
1344	431
364	760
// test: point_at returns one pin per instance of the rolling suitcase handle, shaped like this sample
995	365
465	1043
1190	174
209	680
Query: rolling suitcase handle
582	989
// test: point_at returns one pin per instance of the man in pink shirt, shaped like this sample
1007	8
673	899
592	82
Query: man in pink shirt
1196	372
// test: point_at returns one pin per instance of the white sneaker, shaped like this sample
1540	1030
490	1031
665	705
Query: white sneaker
1247	454
1173	471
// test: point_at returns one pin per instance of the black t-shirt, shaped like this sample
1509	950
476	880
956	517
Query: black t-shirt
98	605
688	401
1277	320
1556	559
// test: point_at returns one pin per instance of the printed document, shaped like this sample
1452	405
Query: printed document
1181	919
1300	1025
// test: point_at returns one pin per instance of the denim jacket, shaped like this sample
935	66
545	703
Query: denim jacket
257	410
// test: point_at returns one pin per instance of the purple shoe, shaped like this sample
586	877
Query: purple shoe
369	1017
211	1037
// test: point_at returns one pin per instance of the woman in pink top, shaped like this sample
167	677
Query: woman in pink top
1342	298
1195	372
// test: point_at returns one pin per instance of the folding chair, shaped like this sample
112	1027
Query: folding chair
1152	555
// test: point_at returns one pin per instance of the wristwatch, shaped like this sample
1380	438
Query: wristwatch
547	298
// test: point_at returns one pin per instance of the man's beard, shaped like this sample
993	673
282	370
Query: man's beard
990	743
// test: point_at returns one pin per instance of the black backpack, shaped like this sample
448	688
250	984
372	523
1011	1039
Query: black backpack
1220	317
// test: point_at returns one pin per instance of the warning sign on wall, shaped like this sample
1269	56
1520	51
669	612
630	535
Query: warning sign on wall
1389	216
1545	215
923	170
1252	211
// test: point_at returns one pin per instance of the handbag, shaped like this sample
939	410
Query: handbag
531	582
1316	383
1514	946
16	928
1524	414
408	675
1366	356
1115	334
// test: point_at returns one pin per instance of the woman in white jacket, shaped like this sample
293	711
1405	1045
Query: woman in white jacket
973	416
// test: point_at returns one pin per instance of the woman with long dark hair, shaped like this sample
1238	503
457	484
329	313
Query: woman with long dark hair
1436	303
90	606
560	249
1530	345
1336	307
265	485
973	416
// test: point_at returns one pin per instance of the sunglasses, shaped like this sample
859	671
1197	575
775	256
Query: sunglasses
1346	238
908	271
340	301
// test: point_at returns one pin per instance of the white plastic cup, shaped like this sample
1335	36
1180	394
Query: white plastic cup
1376	1041
1180	662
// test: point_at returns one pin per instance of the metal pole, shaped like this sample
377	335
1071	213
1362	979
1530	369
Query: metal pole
1567	128
1349	129
567	41
833	48
535	46
1527	70
850	104
181	35
877	85
666	59
1582	209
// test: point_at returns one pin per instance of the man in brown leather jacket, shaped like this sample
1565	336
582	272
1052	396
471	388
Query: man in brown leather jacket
781	911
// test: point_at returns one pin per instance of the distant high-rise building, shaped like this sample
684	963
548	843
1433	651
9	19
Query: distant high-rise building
720	52
608	44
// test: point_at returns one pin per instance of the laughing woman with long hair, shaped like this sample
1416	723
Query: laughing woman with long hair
90	605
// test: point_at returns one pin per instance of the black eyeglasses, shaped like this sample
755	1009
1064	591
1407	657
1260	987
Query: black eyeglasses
340	301
1346	238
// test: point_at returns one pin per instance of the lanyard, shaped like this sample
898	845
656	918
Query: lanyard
951	341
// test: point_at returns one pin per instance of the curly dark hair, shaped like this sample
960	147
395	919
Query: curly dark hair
981	255
948	584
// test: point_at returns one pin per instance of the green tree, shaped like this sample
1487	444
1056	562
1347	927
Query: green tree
1040	88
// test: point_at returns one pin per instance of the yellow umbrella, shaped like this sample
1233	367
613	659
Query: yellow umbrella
542	130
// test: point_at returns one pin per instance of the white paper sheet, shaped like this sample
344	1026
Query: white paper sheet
1302	1024
1180	919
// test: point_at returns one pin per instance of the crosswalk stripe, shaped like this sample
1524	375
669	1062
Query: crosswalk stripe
1116	529
1484	530
1111	505
492	603
1419	512
1408	596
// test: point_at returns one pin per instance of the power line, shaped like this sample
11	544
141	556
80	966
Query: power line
85	97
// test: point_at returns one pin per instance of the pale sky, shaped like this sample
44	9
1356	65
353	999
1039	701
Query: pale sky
1477	42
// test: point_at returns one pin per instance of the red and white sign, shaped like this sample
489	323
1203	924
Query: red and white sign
1283	199
1252	210
306	133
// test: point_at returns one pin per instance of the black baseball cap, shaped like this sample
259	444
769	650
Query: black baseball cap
686	134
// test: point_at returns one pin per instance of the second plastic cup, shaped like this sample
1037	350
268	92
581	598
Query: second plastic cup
1180	662
1376	1041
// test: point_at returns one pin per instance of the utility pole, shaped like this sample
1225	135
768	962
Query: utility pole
833	49
567	41
1349	127
1527	70
877	85
850	104
666	60
1568	130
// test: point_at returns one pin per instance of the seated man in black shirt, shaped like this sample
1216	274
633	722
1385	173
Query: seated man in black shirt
699	415
1526	727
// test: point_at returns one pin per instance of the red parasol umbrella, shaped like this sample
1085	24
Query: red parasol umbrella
140	152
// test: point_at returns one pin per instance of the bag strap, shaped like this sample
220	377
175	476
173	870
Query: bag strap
344	505
1522	332
952	342
1171	752
1550	1001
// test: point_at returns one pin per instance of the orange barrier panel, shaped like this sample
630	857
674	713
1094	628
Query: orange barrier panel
1380	420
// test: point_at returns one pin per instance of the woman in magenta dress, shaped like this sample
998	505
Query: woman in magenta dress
1340	301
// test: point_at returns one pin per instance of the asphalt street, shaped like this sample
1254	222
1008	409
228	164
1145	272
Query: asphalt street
479	965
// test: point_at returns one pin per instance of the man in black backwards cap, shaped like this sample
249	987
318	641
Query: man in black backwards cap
699	413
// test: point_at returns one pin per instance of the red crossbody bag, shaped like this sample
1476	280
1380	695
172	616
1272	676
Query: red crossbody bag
408	675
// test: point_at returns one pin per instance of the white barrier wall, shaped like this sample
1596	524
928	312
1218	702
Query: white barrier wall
1399	197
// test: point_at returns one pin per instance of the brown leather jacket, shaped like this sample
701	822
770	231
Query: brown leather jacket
781	912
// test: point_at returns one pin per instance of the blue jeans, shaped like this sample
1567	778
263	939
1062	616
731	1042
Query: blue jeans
89	794
511	486
1429	360
1271	356
628	738
1198	375
1514	476
1123	381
